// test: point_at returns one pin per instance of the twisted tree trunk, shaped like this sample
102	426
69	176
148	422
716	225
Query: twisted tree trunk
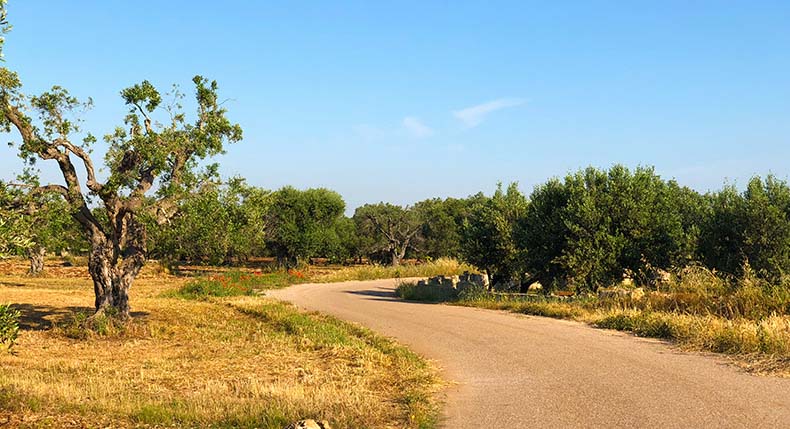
114	263
36	256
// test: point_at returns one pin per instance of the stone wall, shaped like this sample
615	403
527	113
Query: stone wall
456	284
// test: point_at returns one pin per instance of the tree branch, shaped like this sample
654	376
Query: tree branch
92	183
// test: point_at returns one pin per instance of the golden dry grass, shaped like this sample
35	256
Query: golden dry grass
441	266
233	362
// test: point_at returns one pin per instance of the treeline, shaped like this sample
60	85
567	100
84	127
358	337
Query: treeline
586	230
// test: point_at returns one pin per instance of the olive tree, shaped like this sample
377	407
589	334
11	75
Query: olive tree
489	234
49	226
141	154
220	223
300	224
391	229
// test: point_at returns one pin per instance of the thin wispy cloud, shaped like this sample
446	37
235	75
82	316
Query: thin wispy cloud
416	128
475	115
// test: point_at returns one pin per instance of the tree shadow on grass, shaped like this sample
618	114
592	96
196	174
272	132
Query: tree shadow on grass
44	317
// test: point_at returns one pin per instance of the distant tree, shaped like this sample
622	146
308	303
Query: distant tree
221	223
489	239
300	223
390	229
141	153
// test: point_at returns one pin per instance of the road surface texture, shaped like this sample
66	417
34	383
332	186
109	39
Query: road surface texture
514	371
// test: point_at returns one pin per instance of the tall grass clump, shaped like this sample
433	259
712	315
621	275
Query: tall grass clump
438	267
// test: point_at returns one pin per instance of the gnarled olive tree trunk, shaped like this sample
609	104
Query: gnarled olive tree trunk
36	256
114	262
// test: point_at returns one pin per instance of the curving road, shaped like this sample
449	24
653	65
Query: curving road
513	371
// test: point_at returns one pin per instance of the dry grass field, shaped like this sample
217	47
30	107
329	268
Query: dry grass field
243	361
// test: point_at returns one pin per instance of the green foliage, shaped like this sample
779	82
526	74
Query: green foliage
752	228
348	244
218	224
12	236
489	239
595	226
9	325
43	217
442	224
300	224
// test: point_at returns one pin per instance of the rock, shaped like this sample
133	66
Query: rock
309	424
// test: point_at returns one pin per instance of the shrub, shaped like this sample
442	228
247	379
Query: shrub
9	325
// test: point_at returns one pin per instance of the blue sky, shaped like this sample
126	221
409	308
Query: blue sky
401	101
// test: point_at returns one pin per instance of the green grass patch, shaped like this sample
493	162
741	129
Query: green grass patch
237	283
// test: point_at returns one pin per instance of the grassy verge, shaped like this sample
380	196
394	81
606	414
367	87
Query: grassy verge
235	360
750	321
441	266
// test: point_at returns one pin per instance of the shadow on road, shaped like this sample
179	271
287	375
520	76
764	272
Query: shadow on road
377	293
386	296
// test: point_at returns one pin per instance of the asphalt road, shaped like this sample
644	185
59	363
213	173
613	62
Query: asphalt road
512	371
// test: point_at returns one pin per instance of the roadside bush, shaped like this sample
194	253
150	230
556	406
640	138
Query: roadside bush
9	325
